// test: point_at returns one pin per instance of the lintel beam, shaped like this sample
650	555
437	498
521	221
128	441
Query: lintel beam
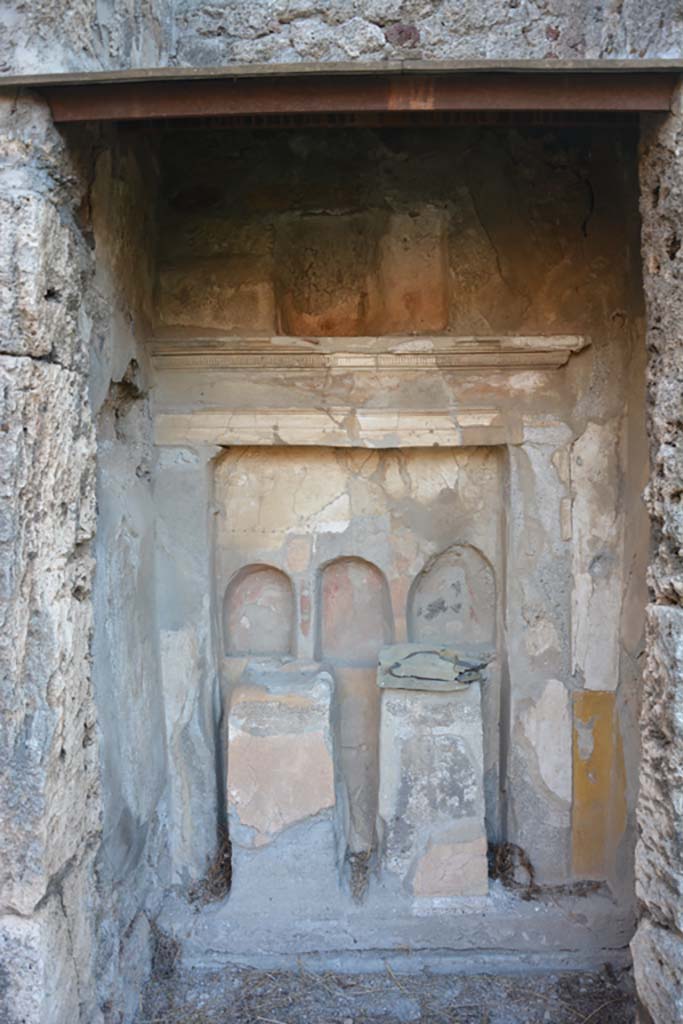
339	93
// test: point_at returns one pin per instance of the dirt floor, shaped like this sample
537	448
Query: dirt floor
245	996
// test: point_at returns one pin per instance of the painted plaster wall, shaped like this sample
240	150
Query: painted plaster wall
132	864
352	530
360	232
532	233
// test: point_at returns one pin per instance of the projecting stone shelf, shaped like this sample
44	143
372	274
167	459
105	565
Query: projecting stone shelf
394	353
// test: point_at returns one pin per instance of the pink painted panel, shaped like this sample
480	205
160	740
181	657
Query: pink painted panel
355	612
259	612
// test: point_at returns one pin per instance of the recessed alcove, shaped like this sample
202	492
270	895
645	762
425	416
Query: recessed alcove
453	600
354	613
258	612
397	401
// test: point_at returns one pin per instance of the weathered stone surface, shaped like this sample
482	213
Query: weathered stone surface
661	192
189	653
326	269
312	217
196	32
49	778
285	806
305	510
431	792
47	960
23	949
433	669
132	860
429	29
659	879
72	818
484	245
658	969
49	765
658	882
454	868
217	294
39	291
358	701
92	35
413	272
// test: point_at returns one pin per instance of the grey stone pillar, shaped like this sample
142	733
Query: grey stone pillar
431	791
282	789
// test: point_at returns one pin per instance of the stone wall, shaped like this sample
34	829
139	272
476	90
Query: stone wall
49	746
314	30
49	321
84	36
115	34
658	945
78	657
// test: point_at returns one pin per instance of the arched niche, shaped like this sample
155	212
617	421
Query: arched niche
453	600
355	611
258	612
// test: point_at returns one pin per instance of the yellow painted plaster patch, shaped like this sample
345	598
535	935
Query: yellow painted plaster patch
599	810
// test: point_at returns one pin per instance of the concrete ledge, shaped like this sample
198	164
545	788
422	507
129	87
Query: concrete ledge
498	931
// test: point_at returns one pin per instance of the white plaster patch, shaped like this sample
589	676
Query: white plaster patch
547	727
541	636
334	518
585	739
529	381
560	461
414	345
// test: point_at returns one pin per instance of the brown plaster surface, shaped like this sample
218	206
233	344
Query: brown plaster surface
266	781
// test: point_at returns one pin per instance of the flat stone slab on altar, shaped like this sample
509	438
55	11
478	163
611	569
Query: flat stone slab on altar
429	668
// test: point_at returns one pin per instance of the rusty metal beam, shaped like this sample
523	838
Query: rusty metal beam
370	93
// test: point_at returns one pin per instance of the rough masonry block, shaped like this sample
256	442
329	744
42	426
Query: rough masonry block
431	796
